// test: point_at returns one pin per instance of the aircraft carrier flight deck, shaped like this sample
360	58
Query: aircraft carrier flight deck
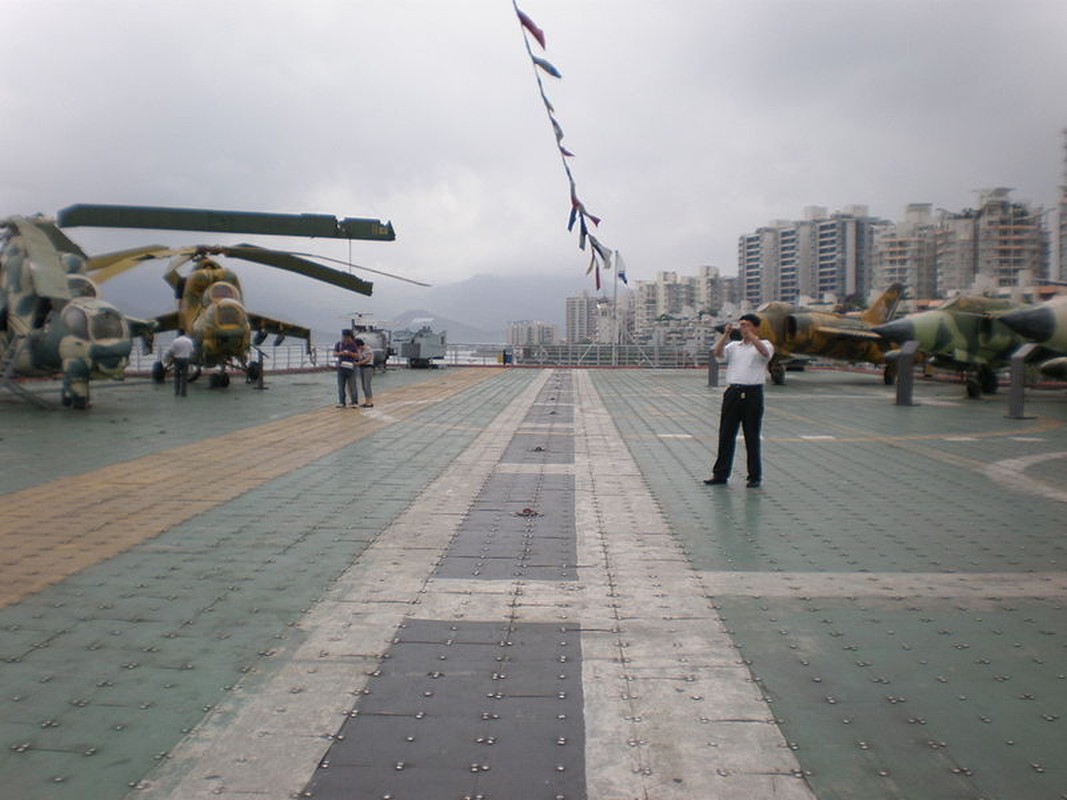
512	584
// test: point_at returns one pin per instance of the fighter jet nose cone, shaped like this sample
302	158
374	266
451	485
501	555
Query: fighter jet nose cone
900	330
1036	324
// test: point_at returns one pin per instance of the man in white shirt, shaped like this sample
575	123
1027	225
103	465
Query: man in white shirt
742	402
181	352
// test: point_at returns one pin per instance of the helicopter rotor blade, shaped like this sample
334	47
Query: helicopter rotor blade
106	266
48	274
282	259
367	269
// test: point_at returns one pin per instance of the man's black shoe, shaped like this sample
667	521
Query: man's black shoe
753	484
715	481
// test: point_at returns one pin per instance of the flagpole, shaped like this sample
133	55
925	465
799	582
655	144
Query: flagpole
615	317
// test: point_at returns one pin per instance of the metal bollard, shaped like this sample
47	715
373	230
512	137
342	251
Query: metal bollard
906	373
1016	392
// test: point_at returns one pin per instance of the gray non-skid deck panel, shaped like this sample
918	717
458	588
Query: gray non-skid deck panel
462	710
554	404
520	526
539	448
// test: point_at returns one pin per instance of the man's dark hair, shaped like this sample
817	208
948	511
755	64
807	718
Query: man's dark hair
755	320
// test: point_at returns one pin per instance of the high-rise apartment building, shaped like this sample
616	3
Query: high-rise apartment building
905	253
708	290
1001	243
824	255
757	266
530	332
580	318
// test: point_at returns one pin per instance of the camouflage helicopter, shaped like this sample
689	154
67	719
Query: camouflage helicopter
210	304
966	334
51	320
843	337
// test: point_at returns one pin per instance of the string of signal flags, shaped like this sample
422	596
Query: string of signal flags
600	256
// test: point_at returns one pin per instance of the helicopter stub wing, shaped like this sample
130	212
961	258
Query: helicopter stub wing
263	326
168	322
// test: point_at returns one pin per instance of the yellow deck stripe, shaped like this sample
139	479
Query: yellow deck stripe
52	531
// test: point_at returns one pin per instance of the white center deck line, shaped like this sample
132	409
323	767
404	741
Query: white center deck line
671	710
268	739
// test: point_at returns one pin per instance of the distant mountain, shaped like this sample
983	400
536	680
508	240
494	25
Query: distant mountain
476	310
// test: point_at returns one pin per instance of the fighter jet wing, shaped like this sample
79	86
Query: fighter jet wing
854	334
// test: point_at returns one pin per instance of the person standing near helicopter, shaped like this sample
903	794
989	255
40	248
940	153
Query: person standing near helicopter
347	353
181	352
365	364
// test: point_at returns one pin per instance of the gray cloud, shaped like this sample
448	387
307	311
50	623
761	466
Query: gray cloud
692	120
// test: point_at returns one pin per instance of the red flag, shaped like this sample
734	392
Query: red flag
528	23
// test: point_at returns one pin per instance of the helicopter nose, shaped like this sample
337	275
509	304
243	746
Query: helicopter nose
110	358
899	330
1037	324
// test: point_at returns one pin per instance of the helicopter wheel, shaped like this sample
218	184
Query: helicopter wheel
218	380
253	372
159	372
889	374
974	388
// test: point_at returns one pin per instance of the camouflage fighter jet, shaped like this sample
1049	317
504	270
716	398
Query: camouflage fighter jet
842	337
1046	324
966	334
51	320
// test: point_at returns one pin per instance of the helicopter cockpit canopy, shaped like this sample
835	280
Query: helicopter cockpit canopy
81	286
97	324
221	290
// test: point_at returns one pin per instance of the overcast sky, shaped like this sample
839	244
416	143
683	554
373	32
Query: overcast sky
691	121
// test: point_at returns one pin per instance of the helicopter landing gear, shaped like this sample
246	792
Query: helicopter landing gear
159	372
253	372
73	400
218	380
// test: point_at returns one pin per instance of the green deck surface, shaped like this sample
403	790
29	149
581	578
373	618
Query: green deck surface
897	586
